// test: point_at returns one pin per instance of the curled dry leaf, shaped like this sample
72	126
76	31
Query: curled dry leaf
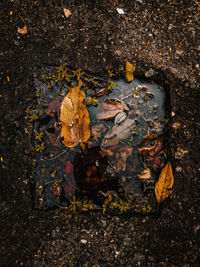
120	117
74	118
164	183
67	12
146	174
22	30
129	71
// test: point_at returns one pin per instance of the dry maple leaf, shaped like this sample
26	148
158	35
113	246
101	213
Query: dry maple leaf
74	118
129	71
22	30
164	183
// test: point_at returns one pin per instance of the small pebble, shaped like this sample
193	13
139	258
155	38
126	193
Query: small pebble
120	11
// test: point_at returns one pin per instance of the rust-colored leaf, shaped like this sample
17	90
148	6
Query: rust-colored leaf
129	71
74	118
22	30
164	183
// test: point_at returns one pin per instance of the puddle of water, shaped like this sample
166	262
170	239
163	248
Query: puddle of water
117	168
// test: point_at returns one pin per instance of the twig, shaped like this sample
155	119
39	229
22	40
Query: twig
103	228
58	155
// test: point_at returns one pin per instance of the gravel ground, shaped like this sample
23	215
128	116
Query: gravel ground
161	39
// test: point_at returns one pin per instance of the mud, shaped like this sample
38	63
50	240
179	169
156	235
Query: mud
161	39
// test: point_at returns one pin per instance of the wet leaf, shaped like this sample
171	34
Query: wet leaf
74	118
53	107
118	132
164	183
67	12
22	30
129	71
107	114
97	131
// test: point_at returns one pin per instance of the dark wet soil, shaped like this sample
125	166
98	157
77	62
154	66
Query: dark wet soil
161	39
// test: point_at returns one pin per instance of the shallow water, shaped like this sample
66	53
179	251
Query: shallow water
103	174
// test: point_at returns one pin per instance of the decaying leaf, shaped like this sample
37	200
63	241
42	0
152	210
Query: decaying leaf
121	157
129	71
67	12
164	183
118	132
110	114
74	118
53	107
146	174
22	30
97	131
112	109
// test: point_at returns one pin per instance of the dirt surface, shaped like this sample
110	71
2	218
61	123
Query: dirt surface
161	39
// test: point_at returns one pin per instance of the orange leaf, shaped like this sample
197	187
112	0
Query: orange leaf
22	30
164	183
129	71
74	118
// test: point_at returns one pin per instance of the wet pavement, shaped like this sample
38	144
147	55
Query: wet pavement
161	40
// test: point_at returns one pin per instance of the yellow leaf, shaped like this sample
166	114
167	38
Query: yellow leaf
74	117
67	12
22	30
164	183
129	71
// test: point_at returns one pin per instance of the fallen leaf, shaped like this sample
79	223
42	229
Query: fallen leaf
107	114
74	118
53	107
118	132
67	12
120	117
121	157
129	71
146	174
108	106
164	183
97	131
22	30
101	92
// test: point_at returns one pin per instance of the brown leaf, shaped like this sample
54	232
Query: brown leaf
67	12
118	132
129	71
107	114
74	117
53	107
22	30
164	183
97	131
108	106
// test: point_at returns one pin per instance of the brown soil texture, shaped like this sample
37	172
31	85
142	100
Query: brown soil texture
160	38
